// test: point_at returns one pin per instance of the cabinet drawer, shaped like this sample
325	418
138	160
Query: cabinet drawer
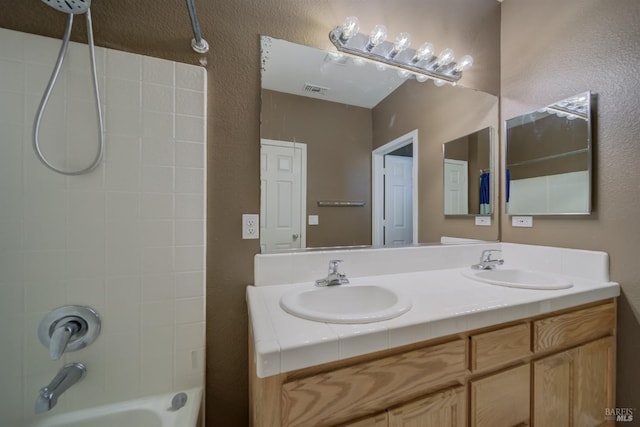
574	327
495	348
347	393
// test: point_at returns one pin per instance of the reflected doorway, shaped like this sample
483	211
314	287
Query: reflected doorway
283	190
395	192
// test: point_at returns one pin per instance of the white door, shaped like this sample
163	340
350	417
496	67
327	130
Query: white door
283	195
398	200
456	187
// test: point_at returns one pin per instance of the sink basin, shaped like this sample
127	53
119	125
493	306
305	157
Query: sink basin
345	304
516	278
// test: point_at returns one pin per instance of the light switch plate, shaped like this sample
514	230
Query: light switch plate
314	220
522	221
250	226
483	220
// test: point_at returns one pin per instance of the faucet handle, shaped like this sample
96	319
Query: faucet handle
486	255
334	264
60	338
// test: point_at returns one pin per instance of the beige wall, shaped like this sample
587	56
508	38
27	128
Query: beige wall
338	139
552	50
464	111
161	28
558	136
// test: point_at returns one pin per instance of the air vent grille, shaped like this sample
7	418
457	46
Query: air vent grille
319	90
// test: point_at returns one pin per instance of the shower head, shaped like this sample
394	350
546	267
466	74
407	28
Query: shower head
69	6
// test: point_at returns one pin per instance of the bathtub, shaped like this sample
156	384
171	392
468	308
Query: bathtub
152	411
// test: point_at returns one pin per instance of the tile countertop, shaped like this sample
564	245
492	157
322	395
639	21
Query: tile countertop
444	303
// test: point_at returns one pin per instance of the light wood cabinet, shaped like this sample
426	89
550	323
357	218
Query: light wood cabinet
552	370
445	409
502	399
576	386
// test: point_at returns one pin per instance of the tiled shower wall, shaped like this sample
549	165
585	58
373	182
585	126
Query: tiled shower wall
126	239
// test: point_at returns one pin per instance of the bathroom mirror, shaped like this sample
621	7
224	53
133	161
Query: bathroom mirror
548	159
468	174
325	120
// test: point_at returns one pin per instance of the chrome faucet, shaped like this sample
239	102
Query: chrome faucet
486	262
334	277
66	377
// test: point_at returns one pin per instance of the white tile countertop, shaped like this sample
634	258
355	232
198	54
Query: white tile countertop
444	302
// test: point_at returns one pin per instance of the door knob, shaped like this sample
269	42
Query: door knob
295	236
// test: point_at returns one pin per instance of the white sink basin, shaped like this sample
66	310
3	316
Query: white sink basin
345	304
516	278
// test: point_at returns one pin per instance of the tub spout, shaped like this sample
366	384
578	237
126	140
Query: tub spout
66	377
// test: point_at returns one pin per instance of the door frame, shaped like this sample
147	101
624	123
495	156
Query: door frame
303	184
377	190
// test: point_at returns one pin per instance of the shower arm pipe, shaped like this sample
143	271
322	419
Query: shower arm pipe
198	44
45	99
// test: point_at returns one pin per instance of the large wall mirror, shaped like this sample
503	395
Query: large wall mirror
468	173
327	124
548	159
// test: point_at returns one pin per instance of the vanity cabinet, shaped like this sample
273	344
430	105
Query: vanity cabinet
554	369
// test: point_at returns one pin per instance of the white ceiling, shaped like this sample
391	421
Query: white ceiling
288	67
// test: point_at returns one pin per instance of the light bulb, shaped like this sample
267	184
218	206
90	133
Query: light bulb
421	78
439	82
445	57
350	28
377	36
403	74
464	63
424	52
402	42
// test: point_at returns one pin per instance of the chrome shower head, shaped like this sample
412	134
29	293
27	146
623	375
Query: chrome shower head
69	6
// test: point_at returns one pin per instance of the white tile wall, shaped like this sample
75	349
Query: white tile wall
127	239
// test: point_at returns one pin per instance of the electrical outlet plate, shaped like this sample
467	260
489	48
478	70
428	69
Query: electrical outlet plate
522	221
483	220
250	226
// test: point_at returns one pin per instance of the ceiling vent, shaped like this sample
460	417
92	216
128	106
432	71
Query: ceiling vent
318	90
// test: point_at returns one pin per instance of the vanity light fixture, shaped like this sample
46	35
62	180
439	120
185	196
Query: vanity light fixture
421	63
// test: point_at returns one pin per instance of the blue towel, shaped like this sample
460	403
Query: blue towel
485	194
508	179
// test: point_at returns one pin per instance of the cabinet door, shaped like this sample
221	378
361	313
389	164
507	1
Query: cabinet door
594	383
502	399
444	409
378	420
574	388
552	397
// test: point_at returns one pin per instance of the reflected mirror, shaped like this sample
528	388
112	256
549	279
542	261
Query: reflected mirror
331	125
548	159
468	174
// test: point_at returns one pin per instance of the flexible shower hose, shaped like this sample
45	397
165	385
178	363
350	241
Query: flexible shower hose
49	89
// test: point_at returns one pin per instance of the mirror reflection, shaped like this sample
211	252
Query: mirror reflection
468	174
548	159
327	123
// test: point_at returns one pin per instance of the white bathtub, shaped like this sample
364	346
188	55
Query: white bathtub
152	411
